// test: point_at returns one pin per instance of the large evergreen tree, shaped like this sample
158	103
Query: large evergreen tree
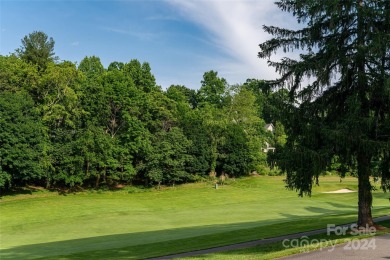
37	48
344	108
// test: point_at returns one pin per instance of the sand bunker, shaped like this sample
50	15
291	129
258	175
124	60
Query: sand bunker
340	191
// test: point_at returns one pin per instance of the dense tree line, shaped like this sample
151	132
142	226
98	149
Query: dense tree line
66	125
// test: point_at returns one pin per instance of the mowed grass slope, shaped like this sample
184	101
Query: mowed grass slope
127	225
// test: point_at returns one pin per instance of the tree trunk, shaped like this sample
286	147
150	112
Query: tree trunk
87	168
47	182
365	195
97	181
214	155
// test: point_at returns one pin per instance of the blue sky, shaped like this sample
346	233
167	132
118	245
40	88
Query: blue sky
181	39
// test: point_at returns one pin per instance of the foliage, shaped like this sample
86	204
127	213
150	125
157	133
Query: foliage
22	140
213	89
95	127
169	157
16	75
234	154
196	131
344	109
37	48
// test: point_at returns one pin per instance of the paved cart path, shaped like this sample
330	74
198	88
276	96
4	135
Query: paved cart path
263	242
371	248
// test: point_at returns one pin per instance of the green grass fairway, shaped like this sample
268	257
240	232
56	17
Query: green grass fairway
127	225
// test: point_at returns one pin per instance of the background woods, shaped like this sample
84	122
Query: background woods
64	124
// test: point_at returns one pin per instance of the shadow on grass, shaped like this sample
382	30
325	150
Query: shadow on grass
18	191
164	242
338	209
118	244
31	190
343	206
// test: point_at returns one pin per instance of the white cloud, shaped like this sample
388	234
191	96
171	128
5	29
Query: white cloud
132	33
163	18
76	43
236	28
